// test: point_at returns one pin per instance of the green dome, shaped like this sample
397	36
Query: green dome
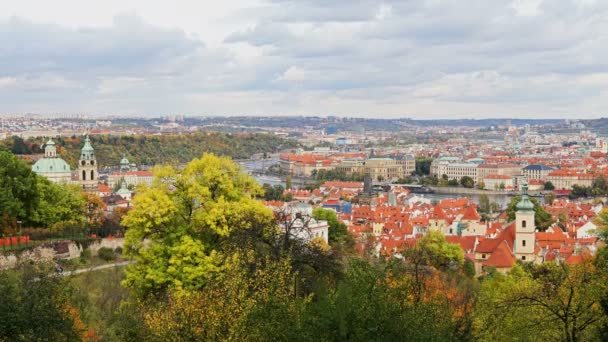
51	165
524	204
87	145
50	142
124	161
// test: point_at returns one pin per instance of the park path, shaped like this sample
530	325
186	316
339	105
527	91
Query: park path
97	268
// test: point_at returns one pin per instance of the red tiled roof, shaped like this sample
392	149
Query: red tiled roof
501	257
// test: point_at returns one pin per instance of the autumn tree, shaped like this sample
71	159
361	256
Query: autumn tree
185	217
546	302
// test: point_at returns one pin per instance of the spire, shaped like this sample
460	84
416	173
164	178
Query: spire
87	151
524	204
50	151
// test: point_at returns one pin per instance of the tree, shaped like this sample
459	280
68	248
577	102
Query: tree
467	182
35	306
549	186
186	217
550	301
19	195
481	185
338	231
59	205
452	182
423	166
549	198
542	219
484	204
288	182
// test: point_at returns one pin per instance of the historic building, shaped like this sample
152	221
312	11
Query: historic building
88	177
51	166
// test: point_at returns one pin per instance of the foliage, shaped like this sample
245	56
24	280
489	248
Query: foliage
549	186
275	193
335	175
106	254
484	204
186	216
453	182
599	187
467	182
546	302
35	306
542	219
423	166
155	149
338	231
34	200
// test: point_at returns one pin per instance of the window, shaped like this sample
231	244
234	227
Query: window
523	243
84	175
523	224
483	256
92	175
523	257
82	163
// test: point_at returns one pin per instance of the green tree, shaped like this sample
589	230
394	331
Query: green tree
59	205
467	182
542	219
423	166
484	204
19	196
481	185
549	186
186	216
35	306
549	198
545	302
338	231
288	182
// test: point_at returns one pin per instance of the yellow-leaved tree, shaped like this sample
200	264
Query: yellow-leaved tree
179	225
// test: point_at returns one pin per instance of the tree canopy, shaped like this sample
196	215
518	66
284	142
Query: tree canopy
542	219
186	216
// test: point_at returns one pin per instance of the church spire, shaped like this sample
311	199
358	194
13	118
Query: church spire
524	204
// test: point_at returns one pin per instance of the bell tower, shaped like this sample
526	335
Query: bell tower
525	239
50	151
87	167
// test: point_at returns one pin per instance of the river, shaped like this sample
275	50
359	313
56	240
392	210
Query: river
262	165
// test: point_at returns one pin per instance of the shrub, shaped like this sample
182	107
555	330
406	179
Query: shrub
85	255
118	250
106	254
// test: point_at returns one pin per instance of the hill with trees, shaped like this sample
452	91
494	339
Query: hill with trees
156	149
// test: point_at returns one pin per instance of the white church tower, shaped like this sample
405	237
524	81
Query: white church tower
87	167
525	239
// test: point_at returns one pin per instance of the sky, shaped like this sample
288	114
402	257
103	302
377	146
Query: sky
421	59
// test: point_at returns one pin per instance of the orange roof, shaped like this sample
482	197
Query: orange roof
471	214
501	257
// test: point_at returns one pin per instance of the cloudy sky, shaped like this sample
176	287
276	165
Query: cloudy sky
401	58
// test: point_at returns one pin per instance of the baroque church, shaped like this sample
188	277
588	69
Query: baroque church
57	170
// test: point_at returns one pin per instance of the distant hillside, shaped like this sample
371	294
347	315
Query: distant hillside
155	149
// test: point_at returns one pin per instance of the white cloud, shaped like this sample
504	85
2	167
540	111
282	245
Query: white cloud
393	57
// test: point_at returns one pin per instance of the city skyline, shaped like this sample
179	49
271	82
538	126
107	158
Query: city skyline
419	59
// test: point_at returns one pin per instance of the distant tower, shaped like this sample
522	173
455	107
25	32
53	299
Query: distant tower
87	167
125	166
525	240
50	151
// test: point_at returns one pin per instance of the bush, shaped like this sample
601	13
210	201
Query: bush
85	255
118	250
106	254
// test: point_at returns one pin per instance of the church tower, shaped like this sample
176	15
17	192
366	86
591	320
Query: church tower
525	239
87	167
50	151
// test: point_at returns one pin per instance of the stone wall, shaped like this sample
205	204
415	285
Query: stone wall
57	250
